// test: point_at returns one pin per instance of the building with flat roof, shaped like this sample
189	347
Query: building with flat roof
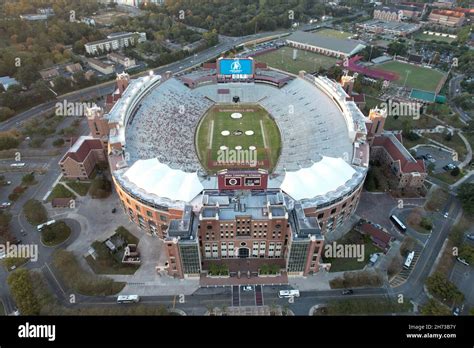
328	46
114	41
7	81
104	68
118	58
397	28
449	18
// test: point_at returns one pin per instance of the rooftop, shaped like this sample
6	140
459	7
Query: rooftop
345	46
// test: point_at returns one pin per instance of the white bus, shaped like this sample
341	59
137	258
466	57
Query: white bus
19	165
409	260
398	223
288	293
128	299
40	227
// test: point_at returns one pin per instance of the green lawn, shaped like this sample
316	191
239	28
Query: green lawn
333	33
392	123
55	234
107	263
426	37
60	191
350	264
447	177
82	188
9	262
418	77
308	61
266	137
80	281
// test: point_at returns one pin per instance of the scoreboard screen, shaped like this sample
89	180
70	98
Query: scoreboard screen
241	67
242	180
231	181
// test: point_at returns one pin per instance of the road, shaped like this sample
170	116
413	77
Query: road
455	90
413	287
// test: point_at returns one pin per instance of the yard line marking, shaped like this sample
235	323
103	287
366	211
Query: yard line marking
263	135
211	135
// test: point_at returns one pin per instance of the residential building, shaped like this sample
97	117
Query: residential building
389	150
118	58
449	18
103	68
114	41
80	160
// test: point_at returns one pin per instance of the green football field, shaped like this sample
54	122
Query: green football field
419	77
308	61
265	138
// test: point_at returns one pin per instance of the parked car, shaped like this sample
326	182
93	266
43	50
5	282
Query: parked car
470	236
347	292
456	311
449	166
5	205
247	288
446	215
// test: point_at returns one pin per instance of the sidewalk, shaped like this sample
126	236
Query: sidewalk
316	282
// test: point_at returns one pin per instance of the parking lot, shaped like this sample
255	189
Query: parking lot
440	157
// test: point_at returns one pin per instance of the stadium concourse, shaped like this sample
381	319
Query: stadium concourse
314	188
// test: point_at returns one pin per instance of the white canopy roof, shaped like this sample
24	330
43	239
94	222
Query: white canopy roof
322	177
159	179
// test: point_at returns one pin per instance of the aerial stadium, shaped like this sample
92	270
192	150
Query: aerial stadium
235	166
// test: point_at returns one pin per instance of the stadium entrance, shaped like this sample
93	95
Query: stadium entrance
244	253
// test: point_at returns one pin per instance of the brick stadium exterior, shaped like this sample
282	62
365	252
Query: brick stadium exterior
219	226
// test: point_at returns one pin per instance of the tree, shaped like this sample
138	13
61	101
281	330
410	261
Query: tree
28	179
35	212
443	289
456	171
58	142
397	48
466	196
434	307
466	252
22	291
100	187
8	142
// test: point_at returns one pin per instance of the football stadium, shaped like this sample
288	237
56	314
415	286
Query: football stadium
236	166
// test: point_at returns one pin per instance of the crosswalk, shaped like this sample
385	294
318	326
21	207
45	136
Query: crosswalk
253	297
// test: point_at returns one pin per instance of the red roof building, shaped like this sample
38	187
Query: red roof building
389	150
378	236
79	162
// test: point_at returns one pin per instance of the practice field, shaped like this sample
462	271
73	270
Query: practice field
333	33
308	61
419	77
226	141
